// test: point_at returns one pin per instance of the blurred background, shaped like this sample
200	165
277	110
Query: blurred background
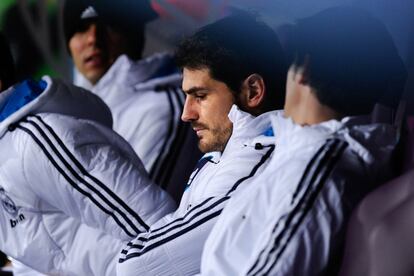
34	27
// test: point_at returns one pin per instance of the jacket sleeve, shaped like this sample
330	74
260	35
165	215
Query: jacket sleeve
172	246
310	242
87	171
310	249
87	251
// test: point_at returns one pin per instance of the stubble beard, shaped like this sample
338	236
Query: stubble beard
218	141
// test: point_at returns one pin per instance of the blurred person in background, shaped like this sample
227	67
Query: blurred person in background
142	94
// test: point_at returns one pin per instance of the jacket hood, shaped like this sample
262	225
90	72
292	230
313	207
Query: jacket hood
60	98
374	143
156	71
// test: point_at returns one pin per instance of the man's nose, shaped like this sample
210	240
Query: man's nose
190	113
92	33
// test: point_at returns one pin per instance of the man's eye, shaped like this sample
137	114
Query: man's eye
84	25
200	96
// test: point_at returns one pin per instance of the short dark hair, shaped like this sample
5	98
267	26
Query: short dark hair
7	69
351	59
3	259
234	48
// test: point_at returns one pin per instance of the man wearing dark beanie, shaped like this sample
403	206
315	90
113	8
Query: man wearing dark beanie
106	43
112	38
91	193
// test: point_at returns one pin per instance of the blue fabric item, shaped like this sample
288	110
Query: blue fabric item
269	132
23	93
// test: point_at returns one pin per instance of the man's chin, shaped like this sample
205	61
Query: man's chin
95	75
209	147
203	147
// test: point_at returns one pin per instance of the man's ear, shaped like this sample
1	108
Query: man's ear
253	92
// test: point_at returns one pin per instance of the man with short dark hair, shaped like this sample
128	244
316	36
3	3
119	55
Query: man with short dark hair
225	70
291	220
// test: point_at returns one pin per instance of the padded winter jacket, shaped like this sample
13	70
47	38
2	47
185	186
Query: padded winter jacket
291	220
71	189
174	244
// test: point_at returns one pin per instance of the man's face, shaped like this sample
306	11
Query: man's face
94	48
207	105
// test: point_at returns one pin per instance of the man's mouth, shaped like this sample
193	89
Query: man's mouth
199	129
94	60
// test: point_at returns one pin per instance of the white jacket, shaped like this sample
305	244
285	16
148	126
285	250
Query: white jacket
173	245
71	189
146	103
291	220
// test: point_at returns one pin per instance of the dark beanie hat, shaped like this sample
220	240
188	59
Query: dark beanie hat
126	15
74	13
